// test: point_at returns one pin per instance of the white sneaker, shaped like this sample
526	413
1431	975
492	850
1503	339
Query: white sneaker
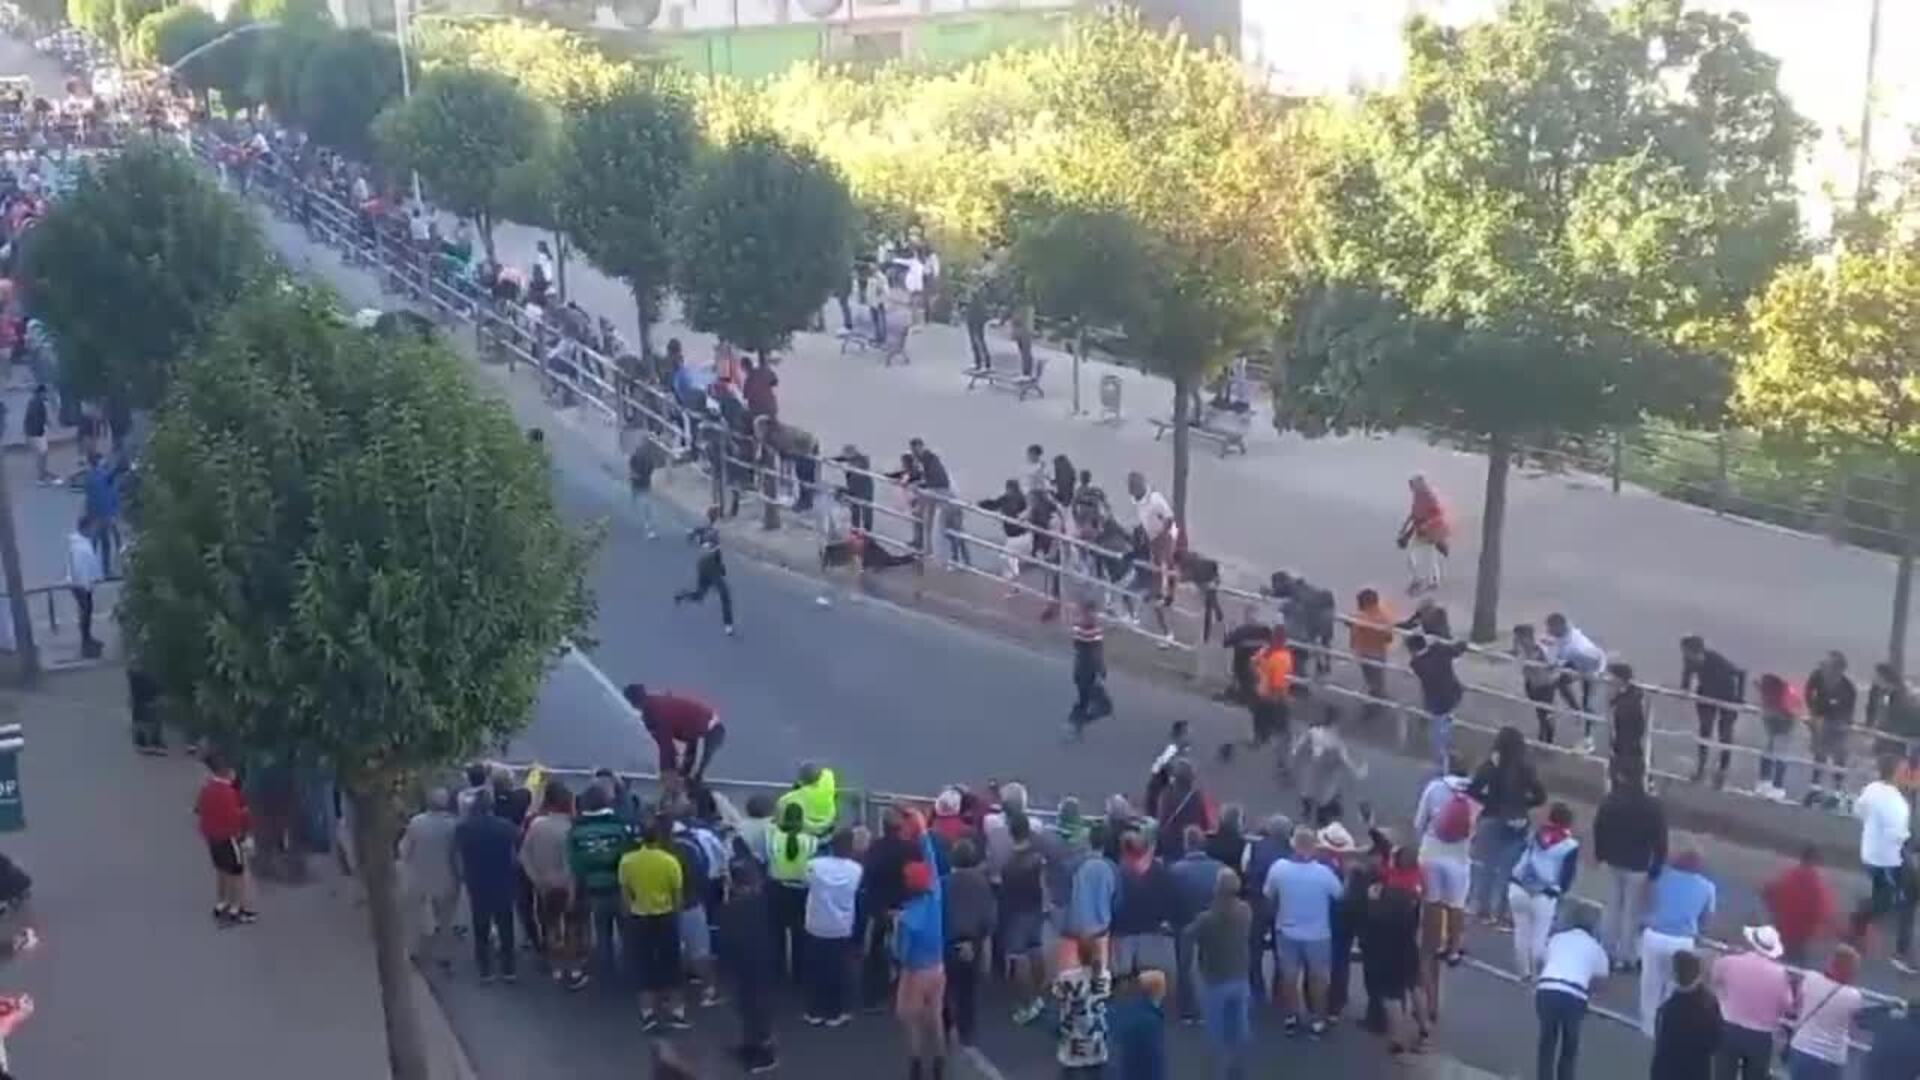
1586	746
823	600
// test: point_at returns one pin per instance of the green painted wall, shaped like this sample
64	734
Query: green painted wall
761	51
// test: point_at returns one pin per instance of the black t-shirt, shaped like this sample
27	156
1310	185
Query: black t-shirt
1020	881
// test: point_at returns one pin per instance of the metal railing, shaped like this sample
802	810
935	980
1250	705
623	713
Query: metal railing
573	372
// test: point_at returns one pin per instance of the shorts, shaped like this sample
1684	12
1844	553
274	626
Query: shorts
921	992
1020	933
38	443
1445	878
696	938
654	951
226	856
555	908
1293	954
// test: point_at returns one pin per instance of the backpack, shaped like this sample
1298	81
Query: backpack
1454	821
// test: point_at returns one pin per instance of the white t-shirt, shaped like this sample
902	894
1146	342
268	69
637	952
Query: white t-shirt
915	276
1827	1009
1884	823
1577	651
1153	513
832	885
1573	960
419	229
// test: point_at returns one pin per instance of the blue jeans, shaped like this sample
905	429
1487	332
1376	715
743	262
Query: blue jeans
1224	1007
1496	847
1440	738
1804	1066
604	911
1560	1016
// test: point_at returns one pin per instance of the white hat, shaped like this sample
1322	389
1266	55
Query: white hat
1764	940
1336	838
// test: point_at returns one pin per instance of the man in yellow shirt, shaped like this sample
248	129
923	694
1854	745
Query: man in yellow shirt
651	881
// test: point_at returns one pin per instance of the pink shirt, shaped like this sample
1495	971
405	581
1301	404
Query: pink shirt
1827	1009
1753	990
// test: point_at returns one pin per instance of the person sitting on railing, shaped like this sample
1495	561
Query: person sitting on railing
1578	659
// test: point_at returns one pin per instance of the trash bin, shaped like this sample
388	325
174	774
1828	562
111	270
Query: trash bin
13	812
1109	397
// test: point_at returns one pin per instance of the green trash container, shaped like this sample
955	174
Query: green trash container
13	811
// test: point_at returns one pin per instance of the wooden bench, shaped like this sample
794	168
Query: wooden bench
892	351
1004	374
1225	438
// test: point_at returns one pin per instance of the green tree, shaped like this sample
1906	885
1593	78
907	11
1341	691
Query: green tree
764	236
345	80
165	36
1557	177
529	193
127	16
349	558
276	61
1086	267
622	163
133	265
462	130
1835	365
97	17
558	66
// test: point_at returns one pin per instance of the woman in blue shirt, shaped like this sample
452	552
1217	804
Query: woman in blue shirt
1678	901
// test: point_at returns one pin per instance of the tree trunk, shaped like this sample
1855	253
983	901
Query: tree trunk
560	263
376	829
1903	575
1181	448
1493	523
18	609
767	464
642	312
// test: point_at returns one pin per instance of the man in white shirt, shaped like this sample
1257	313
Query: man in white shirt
833	883
1156	517
1580	661
914	276
1573	959
83	574
1885	825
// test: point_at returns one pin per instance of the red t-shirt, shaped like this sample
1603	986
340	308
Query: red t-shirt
222	810
674	719
1800	903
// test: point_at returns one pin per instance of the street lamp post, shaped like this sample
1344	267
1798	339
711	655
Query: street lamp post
400	26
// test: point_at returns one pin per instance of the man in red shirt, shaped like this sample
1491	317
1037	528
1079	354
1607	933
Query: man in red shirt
673	720
224	823
1801	905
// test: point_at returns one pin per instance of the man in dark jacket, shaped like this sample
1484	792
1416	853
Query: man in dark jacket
1274	843
1719	686
1630	841
747	957
858	485
1627	711
882	892
486	842
1440	689
1831	699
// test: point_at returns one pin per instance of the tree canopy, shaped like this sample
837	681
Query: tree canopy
462	131
1573	202
165	36
764	235
622	163
555	65
349	558
132	265
345	79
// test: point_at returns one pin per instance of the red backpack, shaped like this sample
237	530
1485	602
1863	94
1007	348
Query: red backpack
1454	821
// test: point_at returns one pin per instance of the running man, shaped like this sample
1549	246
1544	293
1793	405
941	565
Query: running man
1090	698
674	721
709	570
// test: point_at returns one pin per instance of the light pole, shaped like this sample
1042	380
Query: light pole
400	24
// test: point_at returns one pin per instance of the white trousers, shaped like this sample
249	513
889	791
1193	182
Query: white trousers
1656	973
1532	925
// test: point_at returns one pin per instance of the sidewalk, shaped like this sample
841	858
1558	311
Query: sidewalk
133	978
1635	571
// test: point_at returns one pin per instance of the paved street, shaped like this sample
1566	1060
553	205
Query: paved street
894	699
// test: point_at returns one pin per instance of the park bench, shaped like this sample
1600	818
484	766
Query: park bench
1004	374
1225	431
893	350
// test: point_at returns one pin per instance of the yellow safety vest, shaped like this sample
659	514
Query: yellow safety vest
818	804
782	869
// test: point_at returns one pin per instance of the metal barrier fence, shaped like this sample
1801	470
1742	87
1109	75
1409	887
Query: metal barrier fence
747	466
